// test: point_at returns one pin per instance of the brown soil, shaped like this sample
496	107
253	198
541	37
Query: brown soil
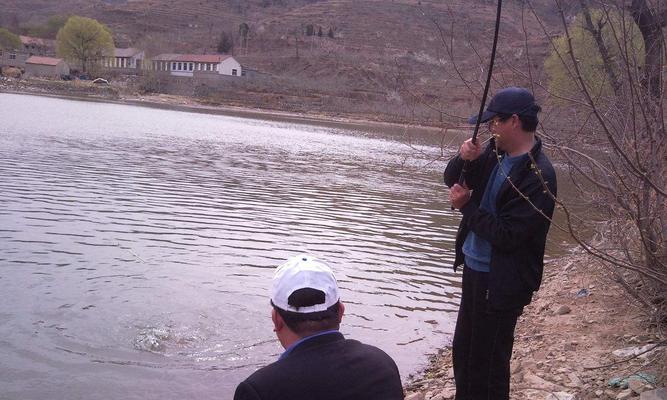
114	93
564	342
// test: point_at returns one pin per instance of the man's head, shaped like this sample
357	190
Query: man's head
305	299
512	101
512	118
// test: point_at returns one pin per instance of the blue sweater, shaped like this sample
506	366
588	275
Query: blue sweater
477	251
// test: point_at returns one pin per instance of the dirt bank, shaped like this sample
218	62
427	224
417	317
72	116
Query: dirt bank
578	334
123	94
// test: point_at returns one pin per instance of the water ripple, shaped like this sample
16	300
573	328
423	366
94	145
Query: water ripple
162	237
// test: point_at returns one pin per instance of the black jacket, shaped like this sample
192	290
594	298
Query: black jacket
327	367
517	232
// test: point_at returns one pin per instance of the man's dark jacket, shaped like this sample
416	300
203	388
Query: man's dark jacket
327	367
518	231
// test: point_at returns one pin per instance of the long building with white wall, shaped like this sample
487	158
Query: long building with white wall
189	64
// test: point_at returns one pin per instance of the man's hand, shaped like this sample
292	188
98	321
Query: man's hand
459	196
470	151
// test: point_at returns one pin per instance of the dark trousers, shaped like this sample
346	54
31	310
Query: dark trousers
483	341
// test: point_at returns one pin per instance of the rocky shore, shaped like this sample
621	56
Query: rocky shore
580	338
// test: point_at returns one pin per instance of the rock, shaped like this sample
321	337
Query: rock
574	380
415	396
641	352
599	393
539	383
624	395
560	396
562	310
448	393
528	365
634	340
658	394
569	347
638	385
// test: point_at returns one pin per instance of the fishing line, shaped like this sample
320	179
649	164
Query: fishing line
486	88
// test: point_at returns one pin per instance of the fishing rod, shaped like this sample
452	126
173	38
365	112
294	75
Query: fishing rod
486	90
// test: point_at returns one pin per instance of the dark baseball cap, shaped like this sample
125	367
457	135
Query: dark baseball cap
511	100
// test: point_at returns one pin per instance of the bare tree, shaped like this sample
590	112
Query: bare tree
244	31
608	127
616	145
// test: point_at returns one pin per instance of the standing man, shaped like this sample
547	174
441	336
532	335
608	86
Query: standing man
318	362
507	205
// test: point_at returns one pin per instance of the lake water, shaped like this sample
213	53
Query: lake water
137	245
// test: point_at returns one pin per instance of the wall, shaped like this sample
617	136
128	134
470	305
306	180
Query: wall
18	62
226	67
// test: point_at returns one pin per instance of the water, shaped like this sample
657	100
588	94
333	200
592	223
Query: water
137	245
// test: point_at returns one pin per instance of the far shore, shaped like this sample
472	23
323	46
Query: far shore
189	104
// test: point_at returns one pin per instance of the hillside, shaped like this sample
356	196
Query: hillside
388	57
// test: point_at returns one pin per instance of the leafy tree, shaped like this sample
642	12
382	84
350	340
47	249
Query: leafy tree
600	56
83	41
225	43
9	40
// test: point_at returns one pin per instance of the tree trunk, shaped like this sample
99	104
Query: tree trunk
602	48
650	26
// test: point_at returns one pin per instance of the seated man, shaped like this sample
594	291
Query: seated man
318	362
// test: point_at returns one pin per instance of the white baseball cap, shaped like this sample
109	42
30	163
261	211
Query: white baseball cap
301	272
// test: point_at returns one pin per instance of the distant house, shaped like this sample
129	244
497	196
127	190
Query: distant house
12	58
34	46
129	58
45	66
30	46
190	64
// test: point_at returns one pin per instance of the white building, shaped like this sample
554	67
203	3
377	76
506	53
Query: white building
189	64
129	58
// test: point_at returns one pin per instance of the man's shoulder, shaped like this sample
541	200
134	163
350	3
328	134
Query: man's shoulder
310	359
367	348
546	169
333	370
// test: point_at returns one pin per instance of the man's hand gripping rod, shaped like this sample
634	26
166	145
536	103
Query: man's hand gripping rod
486	90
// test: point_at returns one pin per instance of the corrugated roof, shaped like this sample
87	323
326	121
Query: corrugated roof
32	40
43	60
166	57
201	58
205	58
129	52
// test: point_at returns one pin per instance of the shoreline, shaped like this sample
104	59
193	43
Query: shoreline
579	333
188	104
